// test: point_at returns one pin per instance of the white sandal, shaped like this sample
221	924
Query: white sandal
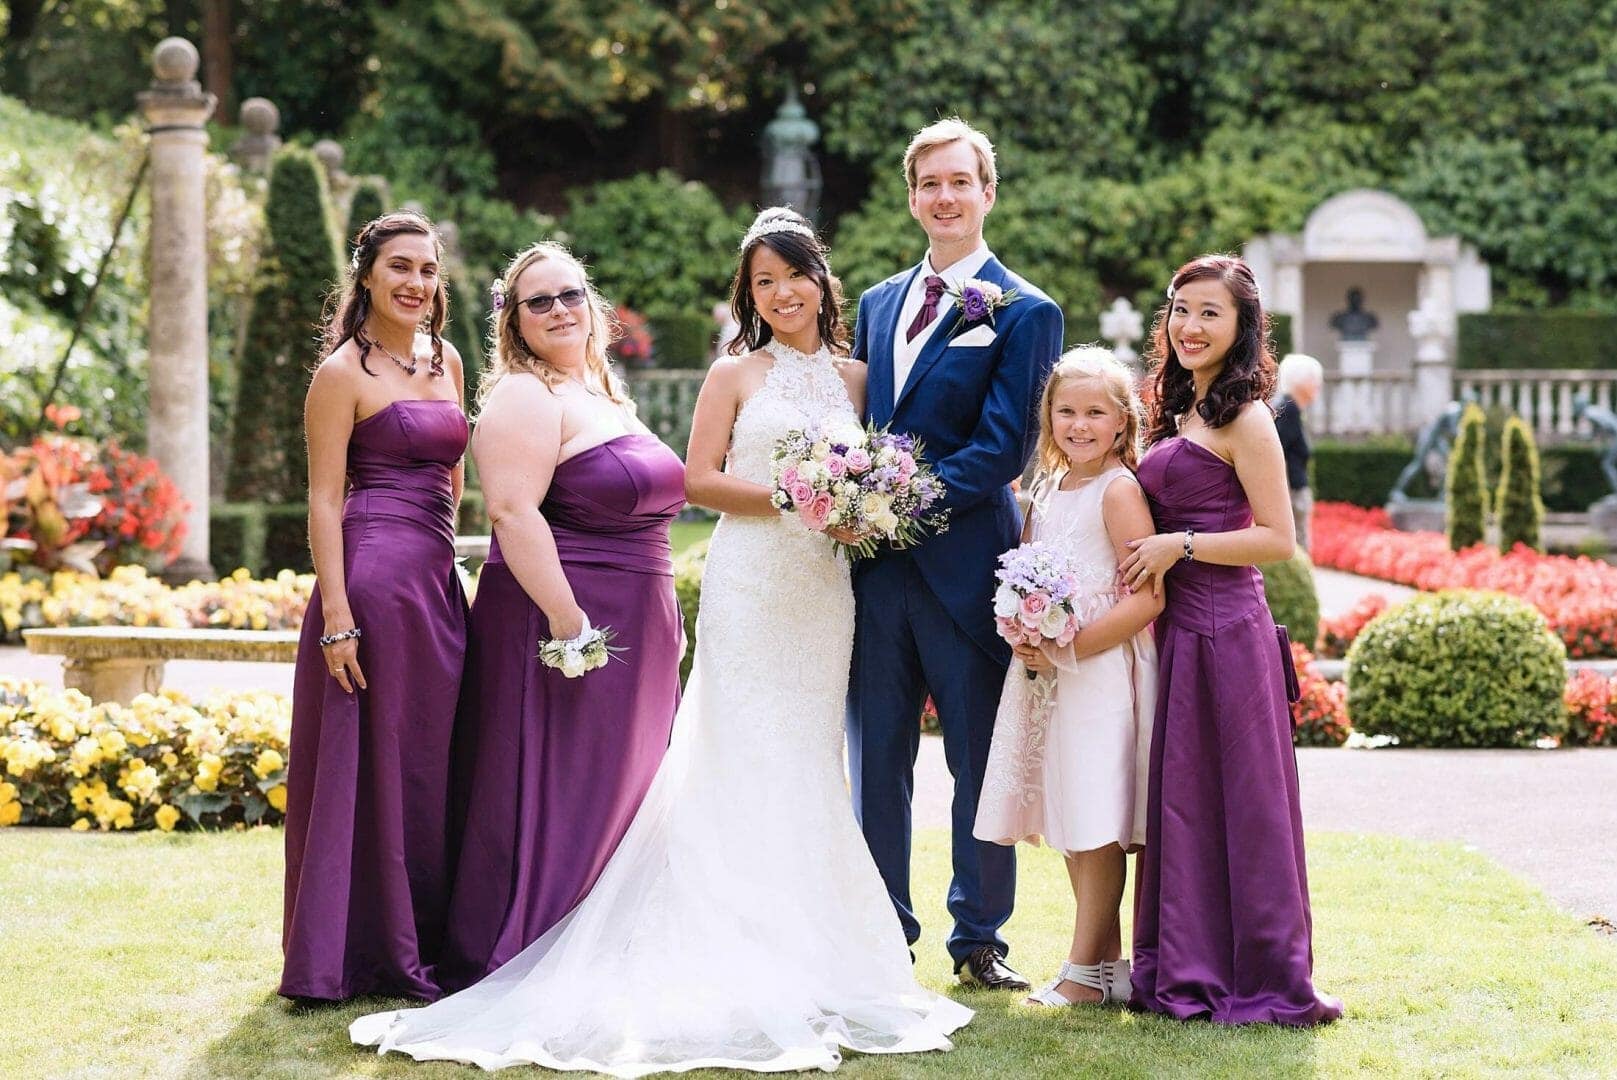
1110	977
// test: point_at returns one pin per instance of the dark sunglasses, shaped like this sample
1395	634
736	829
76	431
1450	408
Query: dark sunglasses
539	304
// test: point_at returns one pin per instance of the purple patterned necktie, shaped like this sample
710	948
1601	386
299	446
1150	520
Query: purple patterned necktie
929	310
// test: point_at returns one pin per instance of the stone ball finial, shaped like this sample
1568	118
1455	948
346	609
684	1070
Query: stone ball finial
175	60
260	116
330	153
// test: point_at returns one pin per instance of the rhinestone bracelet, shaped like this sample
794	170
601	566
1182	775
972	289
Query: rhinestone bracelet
332	639
1190	549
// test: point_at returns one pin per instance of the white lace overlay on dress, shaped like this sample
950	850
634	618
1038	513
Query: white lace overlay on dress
742	922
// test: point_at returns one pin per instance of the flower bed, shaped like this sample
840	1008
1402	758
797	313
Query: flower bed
1319	717
1591	706
131	597
1577	595
1336	632
160	762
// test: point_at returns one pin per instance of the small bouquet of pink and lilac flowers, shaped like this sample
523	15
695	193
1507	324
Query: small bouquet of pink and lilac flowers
868	480
574	657
1034	601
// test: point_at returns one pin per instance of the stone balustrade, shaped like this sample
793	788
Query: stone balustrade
1376	403
1544	399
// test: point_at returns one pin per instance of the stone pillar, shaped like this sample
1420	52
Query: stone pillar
329	153
258	145
175	108
1434	366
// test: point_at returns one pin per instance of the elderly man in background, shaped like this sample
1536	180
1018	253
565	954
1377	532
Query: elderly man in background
1301	378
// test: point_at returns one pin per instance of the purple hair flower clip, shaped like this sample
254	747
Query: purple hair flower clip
496	294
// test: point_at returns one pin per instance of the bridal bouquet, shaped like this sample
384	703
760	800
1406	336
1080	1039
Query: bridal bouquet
866	479
1034	601
574	657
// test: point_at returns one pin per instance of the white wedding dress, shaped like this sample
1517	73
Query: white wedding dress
742	922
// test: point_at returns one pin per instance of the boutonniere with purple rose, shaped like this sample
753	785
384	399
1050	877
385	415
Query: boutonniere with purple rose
976	300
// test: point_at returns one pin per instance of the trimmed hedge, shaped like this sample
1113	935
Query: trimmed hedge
267	539
682	338
1458	668
1358	473
1547	339
1293	600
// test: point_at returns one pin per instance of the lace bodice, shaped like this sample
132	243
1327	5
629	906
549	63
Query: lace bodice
798	390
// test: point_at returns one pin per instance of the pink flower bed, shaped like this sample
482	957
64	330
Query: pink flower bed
1577	595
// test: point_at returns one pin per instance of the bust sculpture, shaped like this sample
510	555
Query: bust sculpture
1353	323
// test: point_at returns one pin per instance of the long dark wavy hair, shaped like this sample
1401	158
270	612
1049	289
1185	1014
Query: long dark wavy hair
350	304
805	254
1249	366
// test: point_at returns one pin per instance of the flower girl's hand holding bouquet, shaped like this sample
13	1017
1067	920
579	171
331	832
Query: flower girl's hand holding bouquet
864	482
1034	601
574	657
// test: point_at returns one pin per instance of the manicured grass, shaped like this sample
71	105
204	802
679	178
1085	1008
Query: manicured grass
682	534
153	955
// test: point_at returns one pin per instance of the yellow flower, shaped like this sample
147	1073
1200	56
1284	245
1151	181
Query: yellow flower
277	797
8	792
268	762
167	817
10	813
81	825
139	780
113	743
87	754
171	759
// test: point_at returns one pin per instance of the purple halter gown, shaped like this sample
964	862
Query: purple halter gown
367	868
550	770
1222	928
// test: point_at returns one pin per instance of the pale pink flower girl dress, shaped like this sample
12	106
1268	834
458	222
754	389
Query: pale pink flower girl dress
1072	749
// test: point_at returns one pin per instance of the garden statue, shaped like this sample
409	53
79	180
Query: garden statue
791	175
1353	323
1431	453
1604	423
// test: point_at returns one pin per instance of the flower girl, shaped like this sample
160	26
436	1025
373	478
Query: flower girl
1072	738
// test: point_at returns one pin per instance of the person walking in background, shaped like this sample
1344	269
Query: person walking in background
1301	378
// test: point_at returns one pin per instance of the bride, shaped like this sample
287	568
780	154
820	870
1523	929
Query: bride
741	923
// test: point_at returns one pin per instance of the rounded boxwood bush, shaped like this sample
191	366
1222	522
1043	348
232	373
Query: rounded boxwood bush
1293	601
1458	668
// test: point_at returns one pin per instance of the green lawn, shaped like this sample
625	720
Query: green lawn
153	955
682	534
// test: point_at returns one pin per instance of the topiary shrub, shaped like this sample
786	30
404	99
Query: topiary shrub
1293	601
1465	490
1458	668
298	264
366	205
1521	511
688	569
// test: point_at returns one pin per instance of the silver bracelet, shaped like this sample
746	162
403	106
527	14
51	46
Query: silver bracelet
332	639
1190	547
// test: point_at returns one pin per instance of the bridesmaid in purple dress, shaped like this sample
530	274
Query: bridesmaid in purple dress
367	872
1222	928
550	770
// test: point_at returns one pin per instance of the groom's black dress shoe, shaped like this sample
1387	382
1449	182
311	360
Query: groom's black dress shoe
985	967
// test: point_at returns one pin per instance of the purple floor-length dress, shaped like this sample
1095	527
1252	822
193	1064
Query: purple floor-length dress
367	860
550	770
1222	928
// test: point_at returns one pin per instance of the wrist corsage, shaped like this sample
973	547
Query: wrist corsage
573	657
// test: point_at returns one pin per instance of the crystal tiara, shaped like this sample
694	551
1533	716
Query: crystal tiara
765	226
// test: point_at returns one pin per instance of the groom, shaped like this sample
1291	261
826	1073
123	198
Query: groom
968	389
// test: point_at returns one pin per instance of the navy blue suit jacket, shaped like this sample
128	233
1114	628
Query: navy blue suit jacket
975	410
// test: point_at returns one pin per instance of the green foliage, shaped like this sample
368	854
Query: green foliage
688	569
298	265
1358	473
1458	668
366	205
655	243
1571	477
1466	489
683	338
313	58
1293	601
1550	339
1521	512
263	537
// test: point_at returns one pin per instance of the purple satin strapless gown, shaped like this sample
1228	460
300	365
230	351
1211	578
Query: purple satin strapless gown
550	770
1222	928
367	861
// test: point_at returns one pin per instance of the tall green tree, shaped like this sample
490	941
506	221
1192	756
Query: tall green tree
1518	500
297	267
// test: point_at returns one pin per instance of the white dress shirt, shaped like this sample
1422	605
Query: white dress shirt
905	352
